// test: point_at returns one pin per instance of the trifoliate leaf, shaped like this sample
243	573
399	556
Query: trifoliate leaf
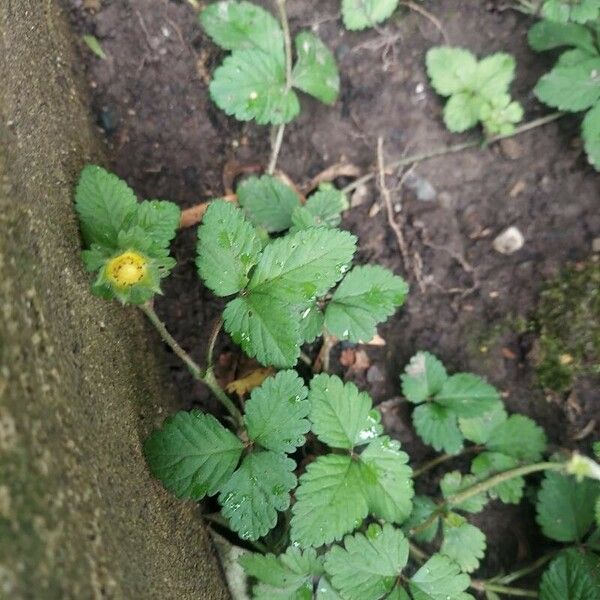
590	130
479	429
193	455
268	202
369	564
572	575
275	414
467	395
546	35
368	295
303	266
519	437
322	209
288	576
266	329
104	203
242	26
565	507
423	508
451	70
438	579
438	426
462	111
499	115
228	248
311	323
315	71
329	501
494	74
250	84
489	463
341	416
572	88
423	377
387	480
159	219
360	14
579	11
256	491
453	483
463	543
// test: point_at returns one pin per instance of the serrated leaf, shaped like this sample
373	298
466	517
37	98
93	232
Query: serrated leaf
462	111
329	501
531	438
276	413
302	266
590	130
242	26
311	323
546	35
228	248
490	463
423	377
440	579
315	71
325	591
341	416
387	480
479	429
369	564
360	14
494	74
573	88
565	506
268	202
454	482
104	204
367	295
159	219
193	455
451	70
250	84
572	575
464	544
423	508
323	208
256	491
579	11
467	395
573	57
438	426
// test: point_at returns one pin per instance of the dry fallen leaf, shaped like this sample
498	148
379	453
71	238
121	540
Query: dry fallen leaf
245	385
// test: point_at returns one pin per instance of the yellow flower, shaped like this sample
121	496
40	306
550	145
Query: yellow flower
127	269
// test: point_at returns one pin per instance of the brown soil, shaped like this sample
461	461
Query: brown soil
168	140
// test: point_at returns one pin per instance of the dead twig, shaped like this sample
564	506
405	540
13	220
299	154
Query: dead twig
341	169
427	15
194	215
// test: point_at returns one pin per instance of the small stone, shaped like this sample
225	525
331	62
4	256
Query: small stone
509	241
421	187
517	189
596	244
511	148
374	375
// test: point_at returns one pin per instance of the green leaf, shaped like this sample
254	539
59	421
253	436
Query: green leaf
590	130
580	11
440	579
437	426
467	395
159	219
546	35
565	507
323	208
597	514
573	88
104	204
342	417
499	115
193	455
368	295
228	248
423	508
479	429
572	575
276	411
462	111
489	463
369	564
573	57
329	501
325	591
250	84
531	437
268	202
94	45
256	491
463	543
242	26
451	70
302	266
423	377
452	483
387	480
266	329
360	14
315	71
311	323
494	74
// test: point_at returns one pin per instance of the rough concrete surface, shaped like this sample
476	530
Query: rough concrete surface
80	517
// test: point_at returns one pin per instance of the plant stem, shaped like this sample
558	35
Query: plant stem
287	40
212	341
438	460
416	158
502	589
534	566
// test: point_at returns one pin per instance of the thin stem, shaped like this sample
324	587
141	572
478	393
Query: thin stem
519	574
419	555
416	158
212	341
211	381
502	589
438	460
